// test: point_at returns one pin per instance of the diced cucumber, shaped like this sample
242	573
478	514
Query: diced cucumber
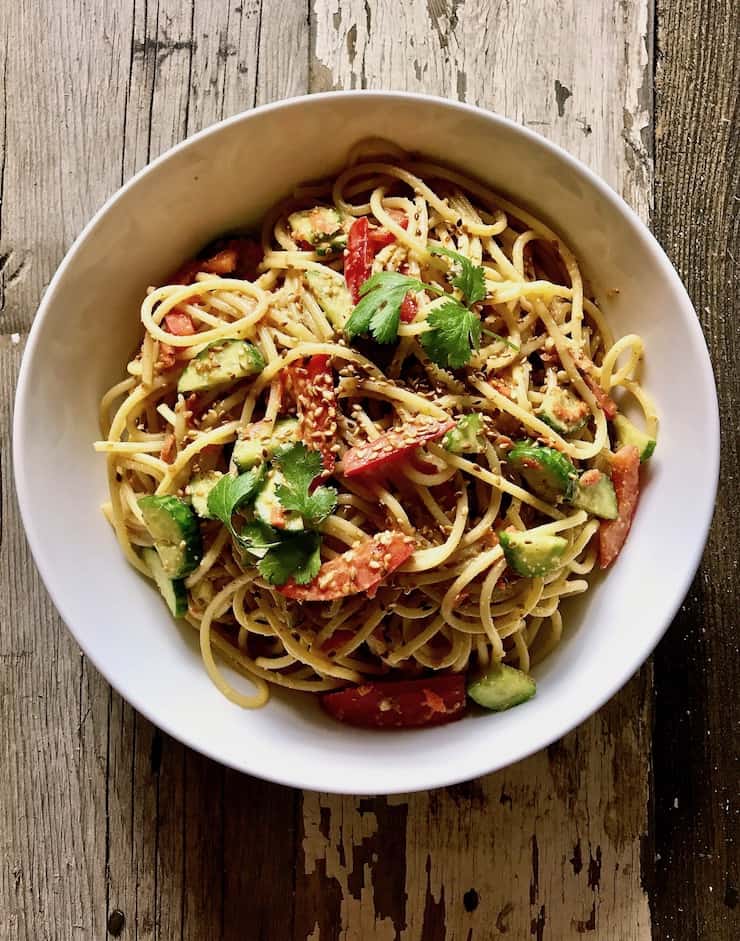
332	295
467	435
627	433
321	227
172	589
256	448
176	533
502	688
220	363
549	473
532	554
268	509
199	488
595	494
563	411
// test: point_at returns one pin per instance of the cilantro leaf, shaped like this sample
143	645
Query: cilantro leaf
301	467
257	537
378	311
232	492
297	555
470	279
454	332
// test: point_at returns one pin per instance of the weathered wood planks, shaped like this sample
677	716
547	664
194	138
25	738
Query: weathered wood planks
107	827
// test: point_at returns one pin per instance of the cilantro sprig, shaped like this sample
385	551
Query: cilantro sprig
378	312
300	467
281	554
468	278
454	331
453	328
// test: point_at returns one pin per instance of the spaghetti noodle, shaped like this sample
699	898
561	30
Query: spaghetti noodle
389	418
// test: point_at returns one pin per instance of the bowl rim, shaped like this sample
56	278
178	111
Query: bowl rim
473	766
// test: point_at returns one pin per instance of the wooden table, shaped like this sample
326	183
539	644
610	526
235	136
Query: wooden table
623	830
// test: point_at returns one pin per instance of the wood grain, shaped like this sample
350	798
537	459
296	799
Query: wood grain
695	872
108	828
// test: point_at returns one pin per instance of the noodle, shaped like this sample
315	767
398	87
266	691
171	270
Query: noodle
454	604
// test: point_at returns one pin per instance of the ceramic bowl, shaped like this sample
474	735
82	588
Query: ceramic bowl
88	323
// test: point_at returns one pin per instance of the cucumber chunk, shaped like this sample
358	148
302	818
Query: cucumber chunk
467	435
172	589
268	509
199	488
549	473
176	533
257	448
532	554
502	688
563	411
595	494
220	363
627	433
320	227
332	296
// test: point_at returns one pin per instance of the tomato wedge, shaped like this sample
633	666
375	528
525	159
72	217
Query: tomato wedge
313	387
380	236
359	257
625	472
587	368
179	323
237	256
359	569
376	456
363	244
404	704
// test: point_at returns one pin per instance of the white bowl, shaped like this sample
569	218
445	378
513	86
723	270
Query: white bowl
88	324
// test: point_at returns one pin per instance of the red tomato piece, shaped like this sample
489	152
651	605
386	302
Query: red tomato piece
359	257
238	256
409	308
625	472
179	323
587	369
398	443
606	402
223	262
359	569
380	236
402	704
316	403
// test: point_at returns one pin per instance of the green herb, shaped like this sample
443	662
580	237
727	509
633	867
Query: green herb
257	537
230	493
497	336
378	311
454	331
282	554
301	467
297	555
468	278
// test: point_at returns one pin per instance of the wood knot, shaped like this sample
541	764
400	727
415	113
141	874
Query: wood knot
470	900
116	921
